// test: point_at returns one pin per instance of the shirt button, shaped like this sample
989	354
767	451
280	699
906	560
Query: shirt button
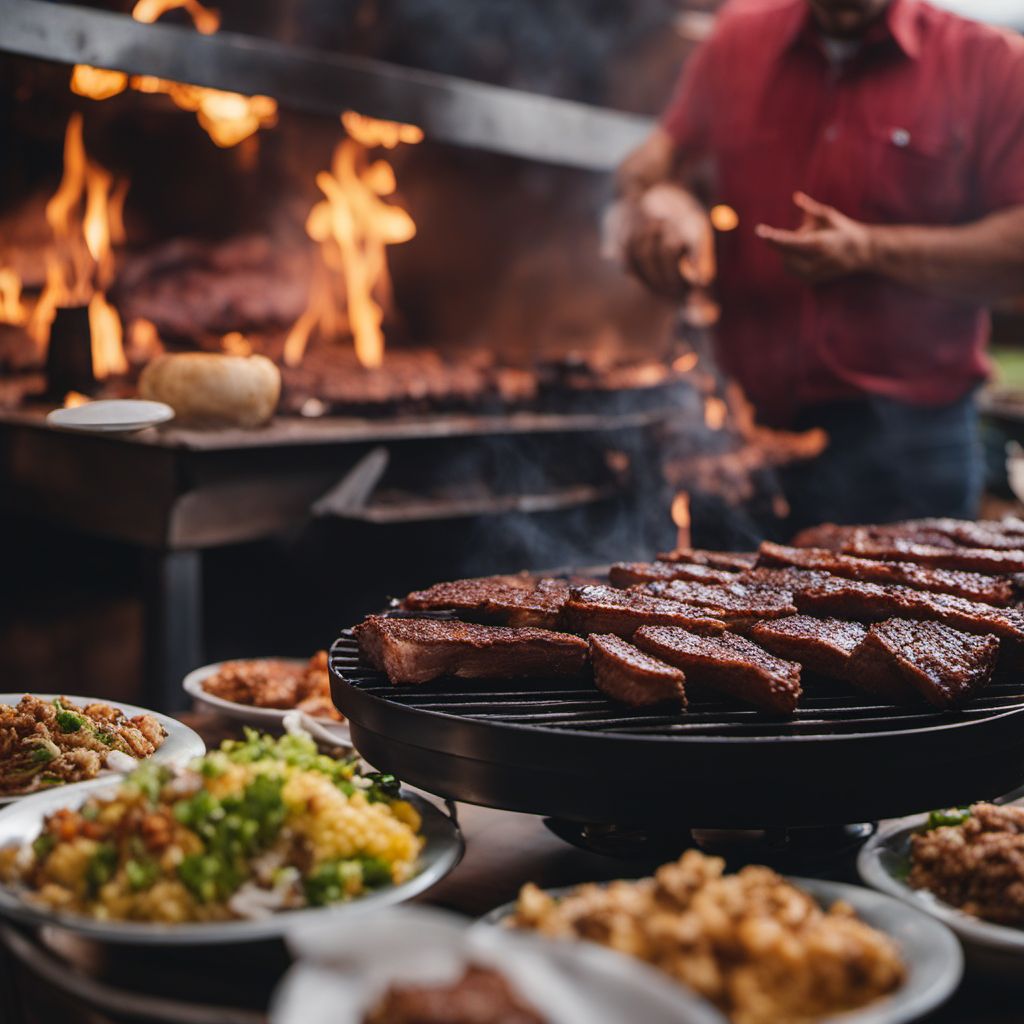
900	137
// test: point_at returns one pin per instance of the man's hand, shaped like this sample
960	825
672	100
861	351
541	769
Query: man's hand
826	246
665	238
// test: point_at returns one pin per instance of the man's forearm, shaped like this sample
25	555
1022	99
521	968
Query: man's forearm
982	261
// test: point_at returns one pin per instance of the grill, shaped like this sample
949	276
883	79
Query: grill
564	750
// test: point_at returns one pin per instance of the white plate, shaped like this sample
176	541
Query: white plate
22	822
341	971
929	949
883	860
178	748
268	719
111	416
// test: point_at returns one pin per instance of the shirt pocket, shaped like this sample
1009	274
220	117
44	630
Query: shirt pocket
917	176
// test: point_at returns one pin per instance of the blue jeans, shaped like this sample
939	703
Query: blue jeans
887	460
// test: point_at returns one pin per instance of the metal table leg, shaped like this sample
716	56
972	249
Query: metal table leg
173	625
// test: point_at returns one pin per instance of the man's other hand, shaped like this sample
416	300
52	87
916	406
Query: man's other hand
665	238
826	246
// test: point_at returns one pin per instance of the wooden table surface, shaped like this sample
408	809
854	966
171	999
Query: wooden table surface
503	851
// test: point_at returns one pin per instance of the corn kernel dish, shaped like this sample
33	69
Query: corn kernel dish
259	826
755	945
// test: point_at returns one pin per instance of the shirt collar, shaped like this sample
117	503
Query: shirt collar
898	24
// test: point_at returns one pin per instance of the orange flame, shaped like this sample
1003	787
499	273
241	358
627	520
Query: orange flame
12	309
85	215
75	398
97	83
681	517
236	344
685	363
354	226
205	19
724	218
715	412
227	117
143	341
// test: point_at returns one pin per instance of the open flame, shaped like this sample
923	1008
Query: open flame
12	309
236	344
716	412
73	399
681	517
354	225
85	215
227	117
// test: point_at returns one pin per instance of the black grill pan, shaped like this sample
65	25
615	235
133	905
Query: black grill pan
562	749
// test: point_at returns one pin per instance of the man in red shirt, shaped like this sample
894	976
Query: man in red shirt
873	151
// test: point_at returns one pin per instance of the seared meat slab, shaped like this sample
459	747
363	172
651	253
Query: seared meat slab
629	574
899	549
513	600
418	650
601	609
737	603
625	673
733	561
943	665
973	586
821	645
872	602
727	663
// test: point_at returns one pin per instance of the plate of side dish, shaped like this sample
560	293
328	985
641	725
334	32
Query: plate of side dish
246	842
262	691
49	741
962	866
812	949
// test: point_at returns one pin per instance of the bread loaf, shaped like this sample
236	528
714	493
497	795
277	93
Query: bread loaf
212	389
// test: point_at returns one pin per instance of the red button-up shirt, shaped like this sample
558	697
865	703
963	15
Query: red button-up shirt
924	124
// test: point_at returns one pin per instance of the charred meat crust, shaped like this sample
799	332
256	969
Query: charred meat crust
411	650
625	673
629	574
970	585
728	664
820	645
601	609
738	604
943	665
509	600
873	602
731	561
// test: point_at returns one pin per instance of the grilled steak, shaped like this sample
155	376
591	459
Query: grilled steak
943	665
898	549
960	532
728	664
512	600
873	602
973	586
418	650
732	561
628	574
625	673
828	536
821	645
783	578
608	610
737	603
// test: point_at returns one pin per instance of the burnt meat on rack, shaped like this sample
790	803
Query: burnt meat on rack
731	561
821	645
629	574
601	609
873	602
783	578
738	604
624	673
413	651
511	600
943	665
899	549
970	585
959	532
727	664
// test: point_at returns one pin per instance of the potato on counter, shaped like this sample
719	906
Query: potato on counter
213	389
